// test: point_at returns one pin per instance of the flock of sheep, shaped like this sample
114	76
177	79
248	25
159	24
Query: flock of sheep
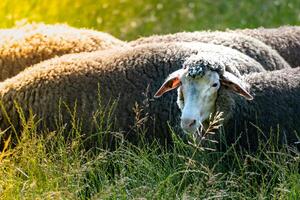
42	65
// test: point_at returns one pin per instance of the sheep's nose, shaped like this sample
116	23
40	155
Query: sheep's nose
189	125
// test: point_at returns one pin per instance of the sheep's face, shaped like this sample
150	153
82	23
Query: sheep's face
196	99
197	94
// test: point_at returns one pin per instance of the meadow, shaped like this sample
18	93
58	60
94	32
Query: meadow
53	166
129	19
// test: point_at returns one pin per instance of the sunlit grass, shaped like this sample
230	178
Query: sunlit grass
129	19
51	165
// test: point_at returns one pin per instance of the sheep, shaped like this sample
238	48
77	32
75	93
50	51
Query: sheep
254	48
274	110
120	73
24	46
203	89
284	39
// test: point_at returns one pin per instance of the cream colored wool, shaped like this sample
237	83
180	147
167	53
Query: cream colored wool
24	46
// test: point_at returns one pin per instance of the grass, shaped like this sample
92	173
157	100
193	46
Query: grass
53	166
49	166
129	19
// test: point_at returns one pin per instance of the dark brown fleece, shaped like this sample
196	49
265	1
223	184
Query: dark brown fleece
30	44
254	48
276	107
285	39
121	73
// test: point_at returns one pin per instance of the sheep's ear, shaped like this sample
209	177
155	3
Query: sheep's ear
171	83
235	84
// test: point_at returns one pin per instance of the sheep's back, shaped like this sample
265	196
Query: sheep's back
128	76
285	39
254	48
30	44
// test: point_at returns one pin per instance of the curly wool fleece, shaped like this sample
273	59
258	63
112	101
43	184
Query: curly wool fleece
198	64
120	73
27	45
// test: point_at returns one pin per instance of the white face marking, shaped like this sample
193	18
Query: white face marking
196	99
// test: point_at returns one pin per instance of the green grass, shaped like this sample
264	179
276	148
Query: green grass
129	19
58	165
53	167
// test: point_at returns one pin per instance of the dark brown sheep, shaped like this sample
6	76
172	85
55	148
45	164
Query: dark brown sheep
285	39
270	109
269	58
121	73
274	110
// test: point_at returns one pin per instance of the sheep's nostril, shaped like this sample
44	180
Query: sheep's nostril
192	123
189	124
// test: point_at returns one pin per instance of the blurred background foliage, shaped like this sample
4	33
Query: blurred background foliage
129	19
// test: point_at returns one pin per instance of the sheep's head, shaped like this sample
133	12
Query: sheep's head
198	83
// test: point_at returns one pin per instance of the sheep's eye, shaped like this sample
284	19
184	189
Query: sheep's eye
215	85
